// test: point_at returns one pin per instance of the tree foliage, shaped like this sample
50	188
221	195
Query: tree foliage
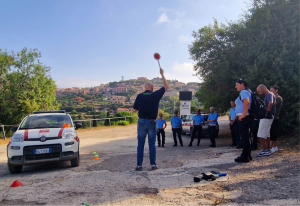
25	85
262	47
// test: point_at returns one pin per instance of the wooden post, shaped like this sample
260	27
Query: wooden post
3	132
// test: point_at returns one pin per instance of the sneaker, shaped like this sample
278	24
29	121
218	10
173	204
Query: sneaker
153	167
138	168
271	151
275	149
212	145
175	145
239	147
263	153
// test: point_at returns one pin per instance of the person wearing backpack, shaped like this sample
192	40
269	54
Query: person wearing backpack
243	104
265	123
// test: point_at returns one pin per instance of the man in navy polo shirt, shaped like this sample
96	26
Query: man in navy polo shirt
198	120
212	123
176	128
146	104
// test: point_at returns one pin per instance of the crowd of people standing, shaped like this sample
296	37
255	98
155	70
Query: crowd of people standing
245	129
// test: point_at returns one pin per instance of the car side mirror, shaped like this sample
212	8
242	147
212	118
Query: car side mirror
14	128
78	125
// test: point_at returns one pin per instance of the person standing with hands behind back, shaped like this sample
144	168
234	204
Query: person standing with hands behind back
212	123
161	126
146	104
198	121
176	128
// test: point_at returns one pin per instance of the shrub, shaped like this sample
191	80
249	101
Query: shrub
123	123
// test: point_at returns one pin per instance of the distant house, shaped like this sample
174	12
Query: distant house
142	79
79	99
125	110
132	99
121	89
116	101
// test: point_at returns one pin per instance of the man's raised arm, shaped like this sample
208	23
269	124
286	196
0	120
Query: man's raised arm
166	86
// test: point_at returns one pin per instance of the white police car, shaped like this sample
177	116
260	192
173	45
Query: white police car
44	136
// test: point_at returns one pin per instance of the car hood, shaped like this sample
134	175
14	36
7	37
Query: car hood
47	132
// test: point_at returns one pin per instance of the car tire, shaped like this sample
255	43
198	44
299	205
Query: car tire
75	161
14	169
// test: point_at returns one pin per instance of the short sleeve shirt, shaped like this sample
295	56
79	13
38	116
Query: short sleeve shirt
147	103
160	123
198	119
213	116
268	98
176	122
244	94
232	114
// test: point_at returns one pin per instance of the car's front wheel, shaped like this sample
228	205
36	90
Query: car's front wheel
75	161
14	169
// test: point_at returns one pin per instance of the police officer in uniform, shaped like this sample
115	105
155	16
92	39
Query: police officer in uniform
176	123
198	120
161	126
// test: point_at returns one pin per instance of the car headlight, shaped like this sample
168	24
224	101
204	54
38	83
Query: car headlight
17	138
68	135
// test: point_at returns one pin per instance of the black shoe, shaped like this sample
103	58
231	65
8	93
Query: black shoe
212	145
208	177
159	145
138	168
253	148
175	145
181	145
239	147
153	167
242	159
163	145
190	145
233	144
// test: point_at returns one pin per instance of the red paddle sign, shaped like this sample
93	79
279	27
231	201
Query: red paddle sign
156	56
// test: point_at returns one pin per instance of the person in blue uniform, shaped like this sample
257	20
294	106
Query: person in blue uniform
161	126
176	123
198	121
212	123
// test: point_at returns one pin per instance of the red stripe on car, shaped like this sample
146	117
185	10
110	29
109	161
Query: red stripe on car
26	134
60	132
45	131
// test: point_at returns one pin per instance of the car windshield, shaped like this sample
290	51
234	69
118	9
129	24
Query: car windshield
45	121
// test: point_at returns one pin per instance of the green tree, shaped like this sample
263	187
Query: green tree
26	85
262	47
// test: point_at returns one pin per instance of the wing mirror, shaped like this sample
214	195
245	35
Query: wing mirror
14	128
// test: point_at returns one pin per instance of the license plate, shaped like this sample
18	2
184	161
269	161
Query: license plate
42	151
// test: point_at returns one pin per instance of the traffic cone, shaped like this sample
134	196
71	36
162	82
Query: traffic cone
16	184
96	158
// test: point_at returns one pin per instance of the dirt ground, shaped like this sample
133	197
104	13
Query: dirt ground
111	180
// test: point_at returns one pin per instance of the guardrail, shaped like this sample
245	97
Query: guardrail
103	119
3	130
83	120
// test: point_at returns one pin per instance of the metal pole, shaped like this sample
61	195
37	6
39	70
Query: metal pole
3	132
125	118
158	63
90	123
109	122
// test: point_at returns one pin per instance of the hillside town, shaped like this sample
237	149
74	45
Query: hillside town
118	96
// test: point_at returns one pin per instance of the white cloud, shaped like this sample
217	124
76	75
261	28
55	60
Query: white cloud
163	19
183	72
77	82
184	38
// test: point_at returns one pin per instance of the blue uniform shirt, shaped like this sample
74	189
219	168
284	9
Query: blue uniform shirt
244	94
198	119
176	122
213	116
160	123
232	114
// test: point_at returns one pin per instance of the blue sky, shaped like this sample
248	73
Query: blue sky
88	42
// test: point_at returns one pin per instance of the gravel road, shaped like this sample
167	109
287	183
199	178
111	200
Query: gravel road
111	180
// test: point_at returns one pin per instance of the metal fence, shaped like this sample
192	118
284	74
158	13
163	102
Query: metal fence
83	120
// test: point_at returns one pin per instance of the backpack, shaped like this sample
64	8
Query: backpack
258	109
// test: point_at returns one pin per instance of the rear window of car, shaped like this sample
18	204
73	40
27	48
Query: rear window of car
45	121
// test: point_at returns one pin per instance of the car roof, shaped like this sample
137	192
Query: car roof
44	114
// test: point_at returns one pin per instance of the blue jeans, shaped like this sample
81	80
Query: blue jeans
145	127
